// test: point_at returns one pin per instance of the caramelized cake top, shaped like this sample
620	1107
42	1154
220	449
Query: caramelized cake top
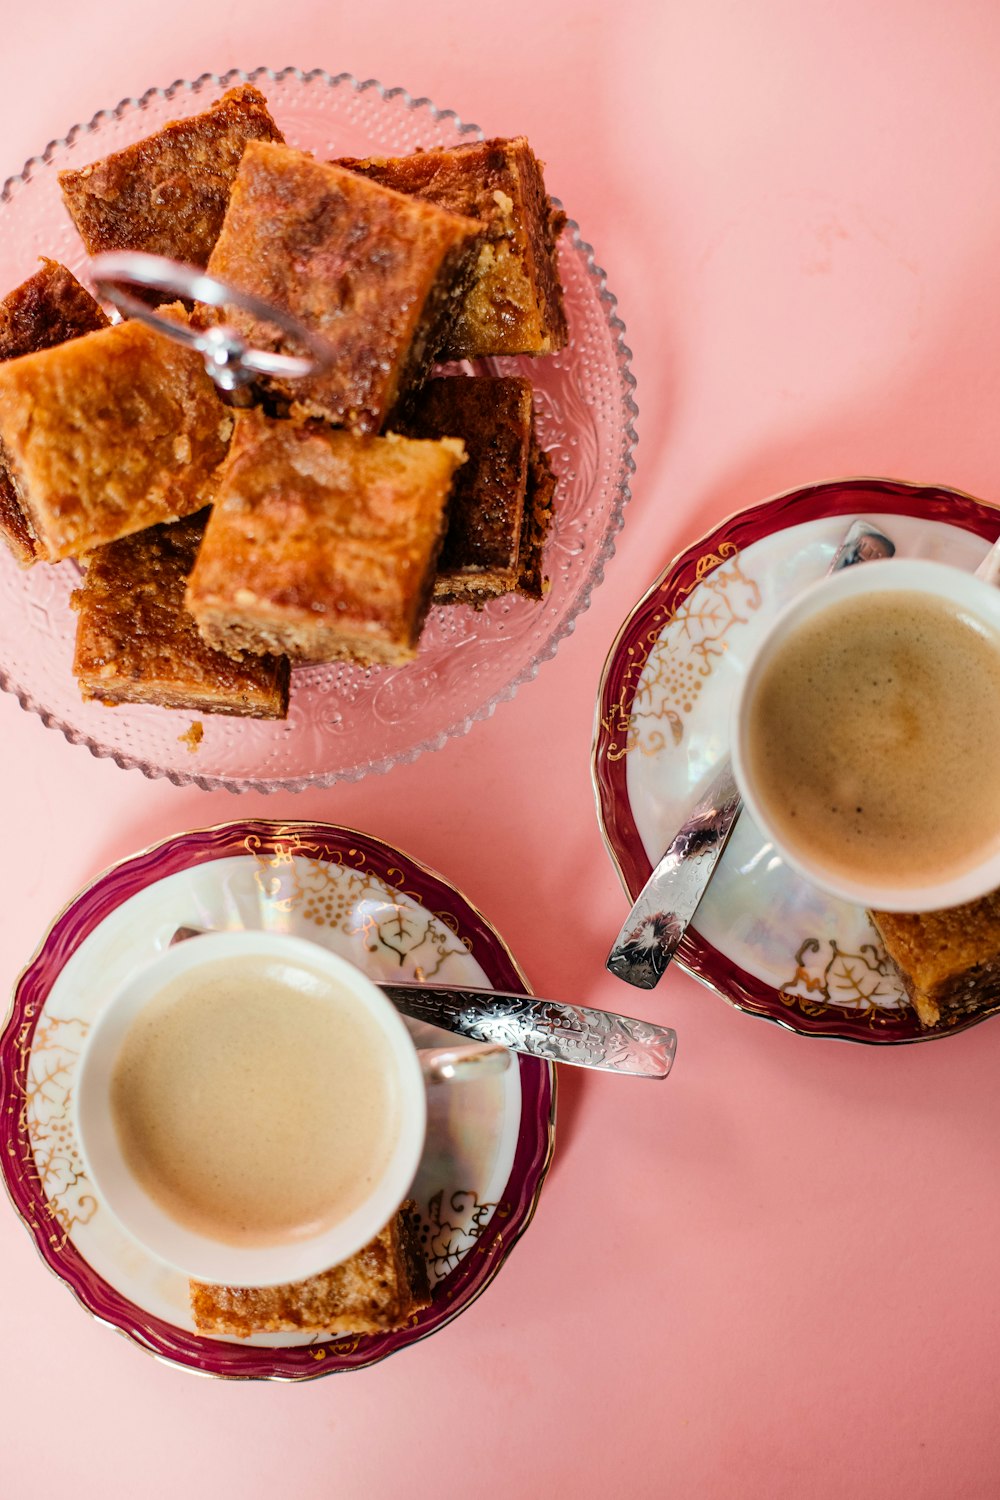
514	304
167	194
321	542
47	309
369	270
136	642
110	433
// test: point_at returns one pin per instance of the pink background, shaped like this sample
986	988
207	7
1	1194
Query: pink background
776	1274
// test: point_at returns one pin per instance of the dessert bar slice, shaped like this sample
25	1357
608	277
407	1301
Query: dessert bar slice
108	434
949	961
381	1288
47	309
378	275
515	302
492	415
136	643
501	502
322	545
532	581
167	195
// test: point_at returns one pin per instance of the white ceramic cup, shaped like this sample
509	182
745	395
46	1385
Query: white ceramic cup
976	599
194	1254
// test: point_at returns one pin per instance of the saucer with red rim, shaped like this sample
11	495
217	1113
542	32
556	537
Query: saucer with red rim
763	938
489	1141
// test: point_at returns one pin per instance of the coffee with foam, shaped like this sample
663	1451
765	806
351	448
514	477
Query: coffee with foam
253	1101
873	739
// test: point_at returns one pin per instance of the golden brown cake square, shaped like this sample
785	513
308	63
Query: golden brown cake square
47	309
501	504
515	302
167	194
380	1289
322	545
108	434
375	273
949	961
136	643
492	415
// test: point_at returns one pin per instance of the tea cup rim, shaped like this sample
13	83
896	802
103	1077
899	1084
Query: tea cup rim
937	580
198	1256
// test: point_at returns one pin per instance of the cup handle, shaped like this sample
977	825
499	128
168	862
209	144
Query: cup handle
463	1064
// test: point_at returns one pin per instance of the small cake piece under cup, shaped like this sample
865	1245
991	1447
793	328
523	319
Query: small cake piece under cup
167	194
108	434
376	274
515	302
322	545
136	643
379	1289
47	309
949	961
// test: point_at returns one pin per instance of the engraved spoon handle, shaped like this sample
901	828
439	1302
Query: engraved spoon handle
664	907
662	911
549	1029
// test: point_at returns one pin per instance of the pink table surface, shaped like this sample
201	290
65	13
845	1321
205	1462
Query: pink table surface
776	1274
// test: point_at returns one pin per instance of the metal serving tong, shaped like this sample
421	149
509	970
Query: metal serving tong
662	911
549	1029
229	359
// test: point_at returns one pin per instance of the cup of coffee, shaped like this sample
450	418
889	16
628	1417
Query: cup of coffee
866	740
251	1107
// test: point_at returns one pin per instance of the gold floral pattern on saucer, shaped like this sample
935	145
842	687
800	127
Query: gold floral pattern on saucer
765	940
488	1144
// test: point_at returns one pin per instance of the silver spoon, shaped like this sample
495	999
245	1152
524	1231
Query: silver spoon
549	1029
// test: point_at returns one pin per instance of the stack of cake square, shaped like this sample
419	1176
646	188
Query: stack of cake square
221	545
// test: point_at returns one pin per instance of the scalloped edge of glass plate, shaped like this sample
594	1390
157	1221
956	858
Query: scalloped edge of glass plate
604	554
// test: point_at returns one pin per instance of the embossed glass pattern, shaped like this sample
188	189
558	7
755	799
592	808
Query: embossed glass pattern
345	721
